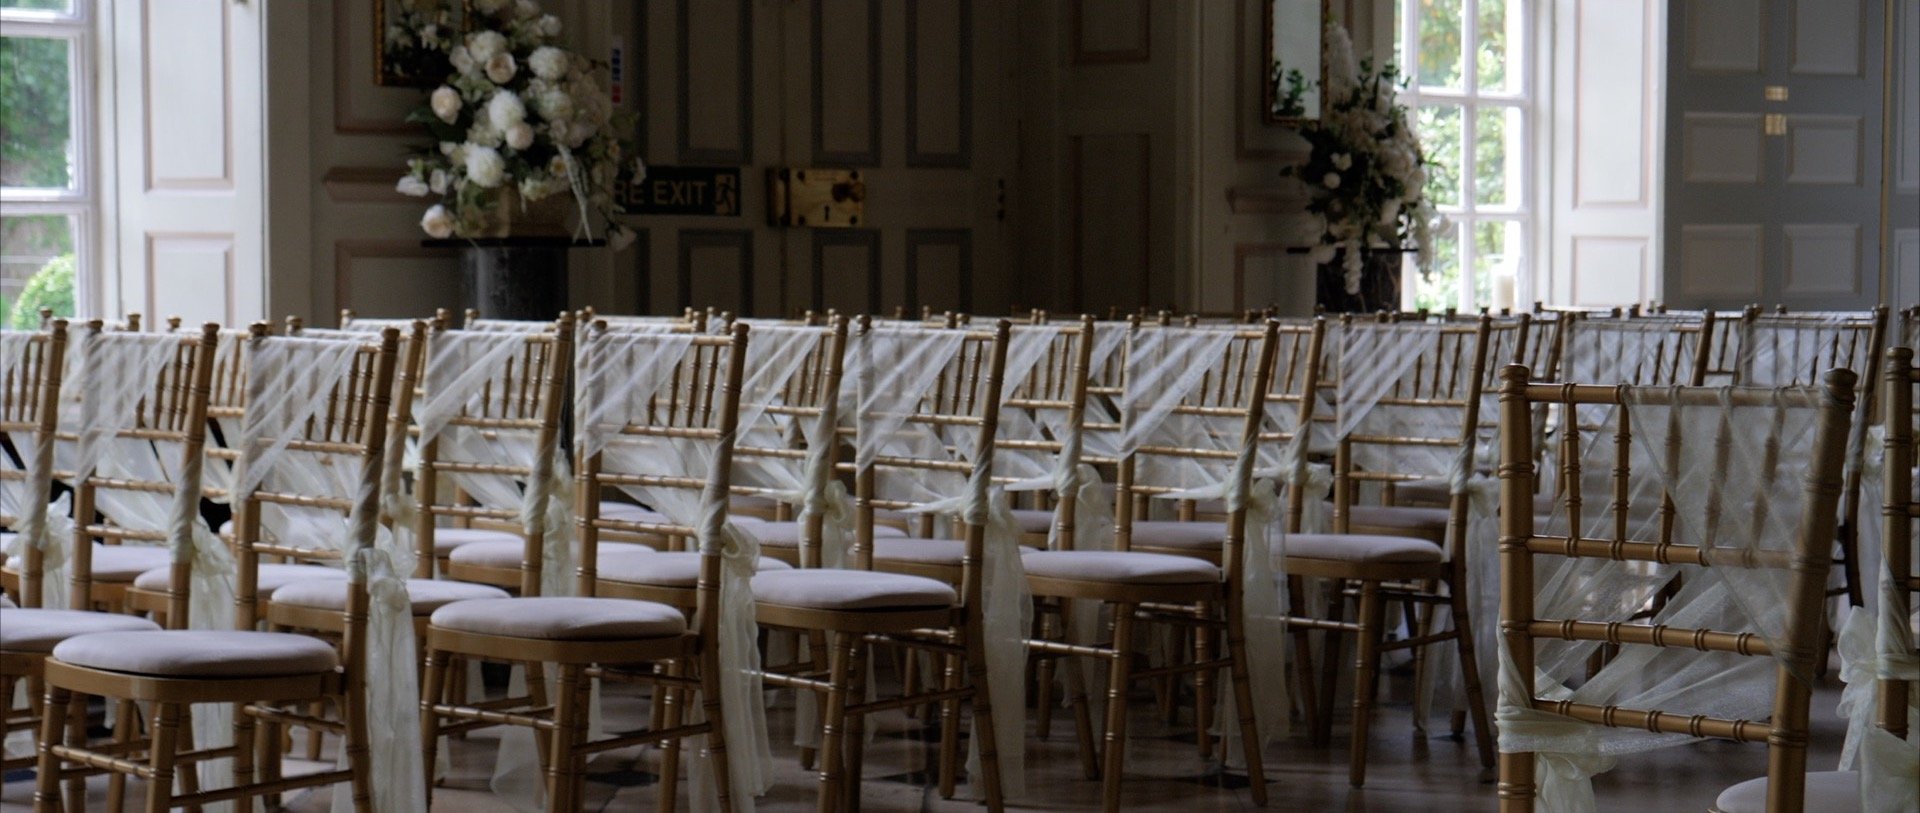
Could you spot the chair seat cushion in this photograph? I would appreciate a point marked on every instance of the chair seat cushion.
(1033, 520)
(826, 589)
(272, 577)
(787, 534)
(448, 540)
(200, 653)
(920, 551)
(671, 569)
(562, 619)
(1122, 567)
(628, 512)
(41, 630)
(1422, 519)
(505, 554)
(1827, 792)
(425, 595)
(117, 563)
(1363, 548)
(1435, 491)
(1177, 535)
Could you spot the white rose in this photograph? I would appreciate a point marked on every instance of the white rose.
(505, 110)
(558, 130)
(520, 136)
(462, 60)
(446, 103)
(485, 166)
(485, 45)
(437, 223)
(437, 182)
(548, 62)
(554, 106)
(619, 237)
(557, 166)
(639, 167)
(482, 134)
(526, 9)
(548, 25)
(501, 68)
(488, 6)
(1332, 180)
(1342, 161)
(411, 185)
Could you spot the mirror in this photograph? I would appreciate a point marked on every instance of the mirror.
(1295, 69)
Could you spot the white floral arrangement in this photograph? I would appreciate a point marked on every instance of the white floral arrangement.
(1365, 170)
(516, 118)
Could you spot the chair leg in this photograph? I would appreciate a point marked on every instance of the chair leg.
(988, 744)
(562, 762)
(537, 698)
(816, 643)
(949, 728)
(357, 744)
(672, 702)
(433, 687)
(1331, 644)
(1303, 690)
(166, 738)
(856, 740)
(76, 793)
(1366, 667)
(243, 768)
(1114, 751)
(1043, 670)
(1203, 684)
(124, 732)
(1470, 675)
(1076, 666)
(832, 723)
(1243, 703)
(53, 725)
(722, 766)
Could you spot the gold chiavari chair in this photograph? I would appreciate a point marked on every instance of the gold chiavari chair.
(1640, 542)
(127, 324)
(29, 407)
(1779, 349)
(180, 667)
(861, 607)
(587, 637)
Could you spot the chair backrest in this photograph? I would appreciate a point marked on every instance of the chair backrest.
(141, 437)
(312, 458)
(794, 439)
(926, 410)
(1640, 352)
(488, 417)
(659, 414)
(1042, 421)
(1900, 511)
(35, 364)
(1732, 564)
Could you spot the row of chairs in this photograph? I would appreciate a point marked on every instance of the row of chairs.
(1197, 576)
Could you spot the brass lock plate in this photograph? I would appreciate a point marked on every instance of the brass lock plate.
(821, 198)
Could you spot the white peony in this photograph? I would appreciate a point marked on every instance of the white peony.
(485, 45)
(501, 68)
(411, 185)
(548, 62)
(1332, 180)
(462, 60)
(526, 9)
(437, 223)
(520, 136)
(619, 237)
(437, 182)
(505, 110)
(1342, 161)
(548, 25)
(488, 6)
(446, 103)
(483, 134)
(485, 166)
(554, 106)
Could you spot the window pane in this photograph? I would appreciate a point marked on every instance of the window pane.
(1441, 290)
(1496, 156)
(1439, 42)
(1439, 128)
(36, 131)
(36, 267)
(1493, 48)
(62, 6)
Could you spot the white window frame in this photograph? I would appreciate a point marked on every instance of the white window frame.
(1467, 213)
(81, 203)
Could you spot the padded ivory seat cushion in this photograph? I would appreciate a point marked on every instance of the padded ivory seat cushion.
(448, 540)
(1160, 533)
(562, 619)
(1033, 520)
(787, 534)
(117, 563)
(7, 602)
(1827, 792)
(41, 630)
(920, 551)
(505, 554)
(1422, 519)
(828, 589)
(272, 577)
(1435, 492)
(671, 569)
(425, 595)
(1363, 548)
(200, 653)
(1122, 567)
(628, 512)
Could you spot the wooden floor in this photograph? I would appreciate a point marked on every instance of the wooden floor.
(1433, 774)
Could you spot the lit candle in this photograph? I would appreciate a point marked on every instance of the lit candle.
(1503, 292)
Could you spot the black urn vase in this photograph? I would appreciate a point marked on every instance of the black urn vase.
(521, 278)
(1380, 272)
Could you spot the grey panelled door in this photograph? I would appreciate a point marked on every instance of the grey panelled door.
(910, 94)
(1774, 161)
